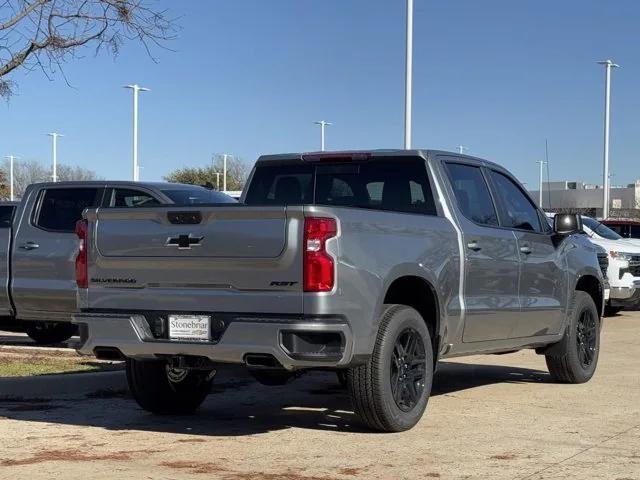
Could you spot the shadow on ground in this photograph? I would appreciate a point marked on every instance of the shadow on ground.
(239, 406)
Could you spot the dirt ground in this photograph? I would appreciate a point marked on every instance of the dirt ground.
(490, 417)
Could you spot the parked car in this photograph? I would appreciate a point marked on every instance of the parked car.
(625, 227)
(624, 265)
(374, 263)
(37, 263)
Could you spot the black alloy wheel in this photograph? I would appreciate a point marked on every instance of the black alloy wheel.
(408, 369)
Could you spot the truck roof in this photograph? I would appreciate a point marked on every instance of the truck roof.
(376, 153)
(128, 183)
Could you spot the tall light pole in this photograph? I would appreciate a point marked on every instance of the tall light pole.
(136, 90)
(322, 124)
(11, 159)
(608, 64)
(408, 77)
(461, 149)
(541, 162)
(224, 172)
(54, 153)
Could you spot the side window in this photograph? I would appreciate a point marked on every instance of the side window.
(472, 193)
(634, 231)
(6, 215)
(129, 198)
(517, 211)
(61, 208)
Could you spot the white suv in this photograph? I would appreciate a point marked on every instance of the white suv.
(624, 264)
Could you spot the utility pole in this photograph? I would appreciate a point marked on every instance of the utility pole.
(461, 149)
(224, 172)
(542, 163)
(11, 159)
(136, 90)
(54, 147)
(408, 77)
(322, 124)
(607, 117)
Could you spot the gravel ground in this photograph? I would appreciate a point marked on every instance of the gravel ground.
(489, 417)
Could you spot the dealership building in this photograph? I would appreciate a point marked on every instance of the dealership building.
(587, 198)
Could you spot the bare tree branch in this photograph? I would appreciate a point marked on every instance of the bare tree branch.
(45, 34)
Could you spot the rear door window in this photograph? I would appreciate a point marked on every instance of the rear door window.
(472, 193)
(61, 208)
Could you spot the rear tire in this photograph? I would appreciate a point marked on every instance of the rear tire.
(163, 391)
(47, 333)
(574, 359)
(390, 392)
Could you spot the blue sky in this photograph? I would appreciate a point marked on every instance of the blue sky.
(250, 77)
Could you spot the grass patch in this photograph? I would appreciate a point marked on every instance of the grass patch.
(26, 365)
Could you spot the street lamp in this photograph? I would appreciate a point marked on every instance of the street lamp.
(408, 76)
(607, 117)
(541, 162)
(54, 147)
(322, 124)
(461, 149)
(136, 90)
(11, 159)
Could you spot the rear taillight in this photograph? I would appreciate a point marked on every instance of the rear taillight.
(82, 277)
(318, 268)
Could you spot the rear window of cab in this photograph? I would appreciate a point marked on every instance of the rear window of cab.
(394, 184)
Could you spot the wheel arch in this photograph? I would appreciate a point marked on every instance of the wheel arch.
(590, 283)
(418, 292)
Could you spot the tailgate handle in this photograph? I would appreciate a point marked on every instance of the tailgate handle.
(184, 218)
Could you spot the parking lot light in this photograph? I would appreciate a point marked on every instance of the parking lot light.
(136, 90)
(608, 64)
(54, 146)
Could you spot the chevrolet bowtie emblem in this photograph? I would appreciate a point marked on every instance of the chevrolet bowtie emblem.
(183, 242)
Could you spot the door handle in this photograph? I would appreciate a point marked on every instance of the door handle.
(29, 246)
(473, 245)
(526, 249)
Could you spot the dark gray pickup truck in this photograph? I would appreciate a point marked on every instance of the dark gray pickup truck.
(38, 246)
(376, 264)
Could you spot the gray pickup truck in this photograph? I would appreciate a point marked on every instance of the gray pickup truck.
(38, 246)
(376, 264)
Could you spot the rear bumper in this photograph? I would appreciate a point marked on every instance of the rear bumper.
(132, 336)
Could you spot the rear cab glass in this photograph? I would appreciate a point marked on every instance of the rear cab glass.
(395, 184)
(196, 196)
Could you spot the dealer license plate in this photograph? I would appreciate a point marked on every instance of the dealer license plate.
(190, 327)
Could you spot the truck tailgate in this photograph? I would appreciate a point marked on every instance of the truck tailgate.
(213, 258)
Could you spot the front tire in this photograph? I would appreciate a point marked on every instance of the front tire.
(164, 391)
(575, 357)
(47, 333)
(390, 392)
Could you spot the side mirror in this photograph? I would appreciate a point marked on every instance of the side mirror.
(567, 223)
